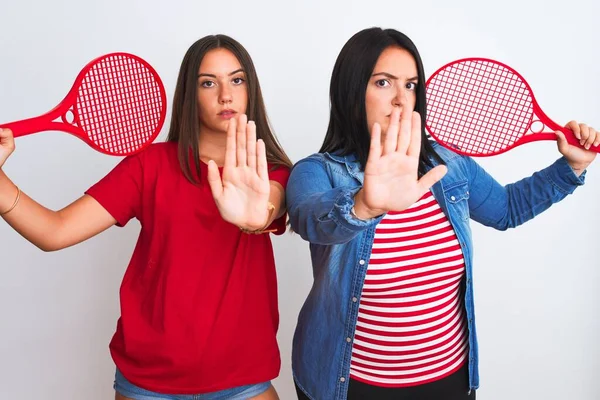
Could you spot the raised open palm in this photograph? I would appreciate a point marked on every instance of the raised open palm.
(391, 174)
(242, 191)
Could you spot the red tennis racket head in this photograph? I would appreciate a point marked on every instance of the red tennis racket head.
(478, 106)
(119, 103)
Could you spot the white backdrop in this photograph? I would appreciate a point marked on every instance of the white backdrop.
(535, 287)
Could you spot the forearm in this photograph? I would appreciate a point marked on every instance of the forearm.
(277, 198)
(31, 220)
(504, 207)
(52, 230)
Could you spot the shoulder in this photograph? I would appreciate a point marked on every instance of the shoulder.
(159, 150)
(279, 173)
(157, 154)
(446, 154)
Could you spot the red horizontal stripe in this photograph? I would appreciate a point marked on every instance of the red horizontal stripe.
(413, 247)
(423, 235)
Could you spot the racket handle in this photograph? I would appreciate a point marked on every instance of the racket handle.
(570, 136)
(27, 126)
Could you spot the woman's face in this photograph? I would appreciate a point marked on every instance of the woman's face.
(393, 84)
(222, 91)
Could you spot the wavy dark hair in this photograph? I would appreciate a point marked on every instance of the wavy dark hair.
(348, 132)
(185, 124)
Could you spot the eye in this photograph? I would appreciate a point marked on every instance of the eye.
(207, 84)
(382, 83)
(238, 81)
(411, 86)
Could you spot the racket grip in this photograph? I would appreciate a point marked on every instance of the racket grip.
(26, 126)
(572, 139)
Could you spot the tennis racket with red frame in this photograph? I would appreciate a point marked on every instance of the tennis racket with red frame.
(117, 105)
(481, 107)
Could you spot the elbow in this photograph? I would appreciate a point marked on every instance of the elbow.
(48, 247)
(321, 234)
(51, 243)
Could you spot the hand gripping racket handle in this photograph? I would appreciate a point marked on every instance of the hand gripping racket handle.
(569, 135)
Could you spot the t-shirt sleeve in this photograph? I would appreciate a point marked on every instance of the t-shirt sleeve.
(280, 175)
(120, 192)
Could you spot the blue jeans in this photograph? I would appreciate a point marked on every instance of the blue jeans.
(128, 389)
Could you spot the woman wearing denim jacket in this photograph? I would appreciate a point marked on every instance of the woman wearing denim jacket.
(386, 211)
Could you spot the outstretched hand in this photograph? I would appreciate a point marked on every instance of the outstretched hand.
(242, 191)
(391, 173)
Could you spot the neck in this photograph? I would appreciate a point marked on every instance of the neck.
(212, 146)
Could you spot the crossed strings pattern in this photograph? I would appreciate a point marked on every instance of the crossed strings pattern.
(119, 104)
(479, 107)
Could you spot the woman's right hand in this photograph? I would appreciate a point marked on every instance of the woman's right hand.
(391, 175)
(7, 145)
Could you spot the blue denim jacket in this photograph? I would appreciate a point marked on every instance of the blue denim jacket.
(320, 195)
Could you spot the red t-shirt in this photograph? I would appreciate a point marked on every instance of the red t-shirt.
(199, 298)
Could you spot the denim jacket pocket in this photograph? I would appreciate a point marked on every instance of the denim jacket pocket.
(457, 198)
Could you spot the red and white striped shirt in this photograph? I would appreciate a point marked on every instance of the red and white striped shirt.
(411, 326)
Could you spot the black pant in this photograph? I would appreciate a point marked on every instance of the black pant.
(453, 387)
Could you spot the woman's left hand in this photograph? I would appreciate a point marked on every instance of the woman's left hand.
(579, 158)
(242, 192)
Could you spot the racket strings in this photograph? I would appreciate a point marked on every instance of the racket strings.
(119, 104)
(478, 106)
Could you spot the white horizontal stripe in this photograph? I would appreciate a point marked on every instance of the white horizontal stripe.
(416, 252)
(432, 228)
(386, 245)
(410, 289)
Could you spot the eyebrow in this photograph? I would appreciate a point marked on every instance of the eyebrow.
(388, 75)
(214, 76)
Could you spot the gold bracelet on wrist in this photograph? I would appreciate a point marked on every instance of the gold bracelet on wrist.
(271, 209)
(15, 203)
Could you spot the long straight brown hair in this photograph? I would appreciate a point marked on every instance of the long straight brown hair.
(185, 124)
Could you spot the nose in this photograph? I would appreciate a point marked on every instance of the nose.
(401, 97)
(225, 95)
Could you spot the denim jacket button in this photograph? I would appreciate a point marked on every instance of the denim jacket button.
(452, 198)
(342, 379)
(362, 262)
(354, 299)
(348, 340)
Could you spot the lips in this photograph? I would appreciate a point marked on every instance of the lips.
(227, 114)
